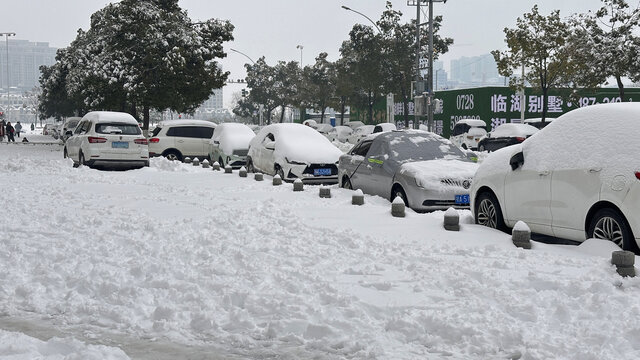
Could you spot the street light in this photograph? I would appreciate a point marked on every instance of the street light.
(300, 47)
(357, 12)
(6, 35)
(245, 55)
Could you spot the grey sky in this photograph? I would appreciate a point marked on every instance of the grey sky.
(274, 28)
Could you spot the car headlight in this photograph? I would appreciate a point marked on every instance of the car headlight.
(294, 162)
(420, 183)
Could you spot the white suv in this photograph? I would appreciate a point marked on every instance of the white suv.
(467, 133)
(177, 139)
(108, 139)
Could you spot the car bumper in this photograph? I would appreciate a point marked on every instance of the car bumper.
(117, 163)
(298, 172)
(429, 200)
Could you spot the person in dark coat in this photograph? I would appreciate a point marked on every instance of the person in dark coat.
(2, 127)
(10, 130)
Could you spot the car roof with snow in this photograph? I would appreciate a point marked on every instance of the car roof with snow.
(511, 130)
(186, 123)
(473, 122)
(109, 116)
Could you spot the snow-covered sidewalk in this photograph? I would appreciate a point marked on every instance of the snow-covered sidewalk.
(184, 255)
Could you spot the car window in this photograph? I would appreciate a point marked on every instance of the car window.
(201, 132)
(363, 148)
(118, 128)
(80, 127)
(156, 131)
(377, 129)
(460, 129)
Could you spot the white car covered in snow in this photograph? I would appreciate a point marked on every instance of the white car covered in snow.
(294, 151)
(177, 139)
(360, 133)
(339, 133)
(467, 133)
(582, 186)
(230, 144)
(108, 139)
(384, 127)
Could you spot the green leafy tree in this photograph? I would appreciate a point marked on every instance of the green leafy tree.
(145, 54)
(604, 45)
(318, 84)
(540, 42)
(261, 80)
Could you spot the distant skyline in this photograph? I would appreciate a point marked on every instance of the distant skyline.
(274, 28)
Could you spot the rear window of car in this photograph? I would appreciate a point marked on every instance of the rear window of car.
(118, 128)
(200, 132)
(156, 131)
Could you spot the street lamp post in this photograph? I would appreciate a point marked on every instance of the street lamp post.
(247, 56)
(6, 35)
(300, 47)
(359, 13)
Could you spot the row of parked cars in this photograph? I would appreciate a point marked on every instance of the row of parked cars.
(574, 187)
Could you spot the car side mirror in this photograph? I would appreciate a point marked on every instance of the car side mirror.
(271, 145)
(517, 160)
(216, 142)
(69, 133)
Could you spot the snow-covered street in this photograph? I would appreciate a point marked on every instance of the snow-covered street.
(200, 264)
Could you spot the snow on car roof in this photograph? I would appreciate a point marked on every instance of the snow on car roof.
(110, 116)
(601, 136)
(300, 143)
(233, 136)
(513, 130)
(473, 122)
(186, 122)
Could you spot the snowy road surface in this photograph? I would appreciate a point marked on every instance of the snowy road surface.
(201, 263)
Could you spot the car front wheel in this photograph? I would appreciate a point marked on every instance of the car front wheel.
(608, 224)
(398, 191)
(250, 168)
(173, 155)
(488, 211)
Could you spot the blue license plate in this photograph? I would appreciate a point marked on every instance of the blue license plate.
(120, 145)
(321, 172)
(462, 199)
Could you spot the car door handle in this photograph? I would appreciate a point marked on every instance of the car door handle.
(544, 173)
(180, 141)
(595, 170)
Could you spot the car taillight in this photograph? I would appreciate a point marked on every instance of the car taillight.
(154, 140)
(520, 139)
(638, 175)
(141, 141)
(97, 140)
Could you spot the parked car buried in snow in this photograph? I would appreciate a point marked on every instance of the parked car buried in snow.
(360, 133)
(294, 151)
(586, 185)
(424, 169)
(506, 135)
(230, 144)
(467, 133)
(108, 139)
(339, 133)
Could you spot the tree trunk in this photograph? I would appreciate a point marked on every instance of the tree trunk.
(145, 110)
(282, 108)
(620, 87)
(322, 114)
(405, 107)
(269, 116)
(343, 100)
(370, 113)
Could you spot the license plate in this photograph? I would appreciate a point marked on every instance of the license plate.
(321, 172)
(462, 199)
(120, 145)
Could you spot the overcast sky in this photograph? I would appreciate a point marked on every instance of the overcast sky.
(273, 28)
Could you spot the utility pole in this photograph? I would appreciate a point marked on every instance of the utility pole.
(7, 34)
(419, 86)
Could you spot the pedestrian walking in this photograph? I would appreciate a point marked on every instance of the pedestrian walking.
(18, 128)
(9, 130)
(2, 127)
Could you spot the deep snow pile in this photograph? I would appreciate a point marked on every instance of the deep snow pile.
(186, 255)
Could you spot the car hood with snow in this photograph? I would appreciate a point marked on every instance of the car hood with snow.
(440, 173)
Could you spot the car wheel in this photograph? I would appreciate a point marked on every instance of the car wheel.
(488, 212)
(172, 155)
(346, 183)
(221, 162)
(279, 171)
(81, 159)
(608, 224)
(250, 168)
(398, 191)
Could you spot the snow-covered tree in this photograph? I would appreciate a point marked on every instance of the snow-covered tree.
(604, 45)
(318, 84)
(146, 54)
(541, 43)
